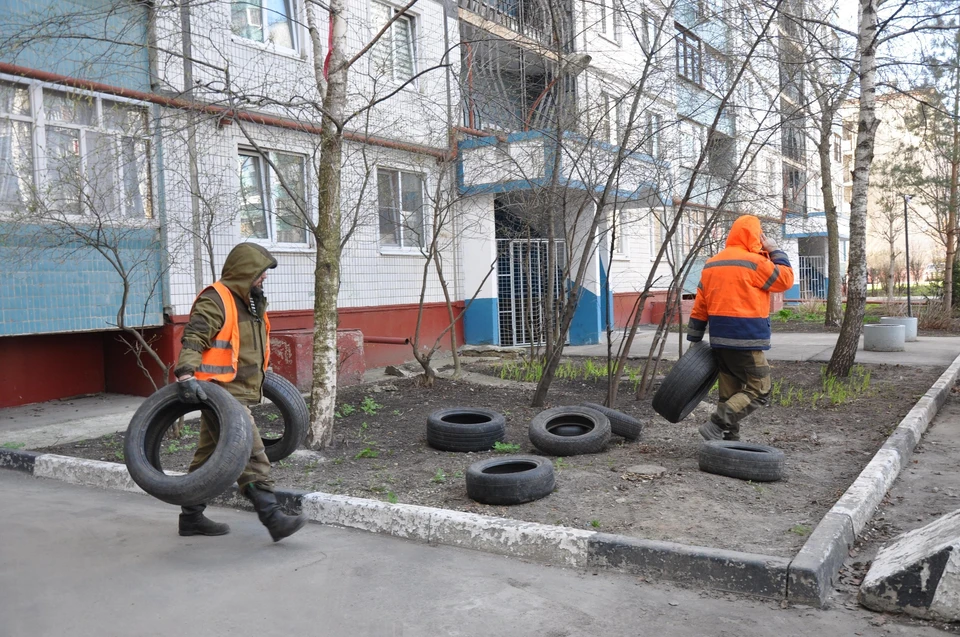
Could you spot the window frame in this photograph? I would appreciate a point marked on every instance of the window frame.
(414, 22)
(652, 143)
(615, 226)
(39, 125)
(268, 44)
(611, 21)
(687, 42)
(402, 249)
(267, 196)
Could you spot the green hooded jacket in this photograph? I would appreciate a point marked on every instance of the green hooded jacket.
(244, 265)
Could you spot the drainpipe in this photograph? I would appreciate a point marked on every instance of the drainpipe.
(187, 46)
(159, 183)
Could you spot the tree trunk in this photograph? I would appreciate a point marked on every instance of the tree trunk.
(834, 302)
(845, 351)
(323, 393)
(954, 199)
(891, 261)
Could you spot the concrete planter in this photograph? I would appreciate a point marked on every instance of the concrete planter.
(909, 323)
(883, 338)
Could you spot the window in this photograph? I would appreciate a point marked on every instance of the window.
(648, 32)
(689, 64)
(272, 198)
(611, 118)
(394, 54)
(265, 21)
(616, 225)
(655, 234)
(610, 19)
(692, 142)
(835, 140)
(93, 155)
(400, 199)
(651, 140)
(774, 178)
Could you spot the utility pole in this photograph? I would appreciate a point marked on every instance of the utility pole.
(906, 241)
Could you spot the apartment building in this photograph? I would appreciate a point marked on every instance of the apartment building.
(194, 126)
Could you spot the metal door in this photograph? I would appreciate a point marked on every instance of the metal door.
(522, 286)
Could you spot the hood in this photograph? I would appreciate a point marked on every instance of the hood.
(244, 265)
(745, 233)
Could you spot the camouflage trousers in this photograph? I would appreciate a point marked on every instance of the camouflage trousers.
(257, 470)
(744, 385)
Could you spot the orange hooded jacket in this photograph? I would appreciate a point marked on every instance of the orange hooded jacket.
(733, 297)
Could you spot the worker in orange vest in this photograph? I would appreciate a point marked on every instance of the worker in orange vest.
(733, 299)
(227, 341)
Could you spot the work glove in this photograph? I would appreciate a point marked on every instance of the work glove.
(190, 391)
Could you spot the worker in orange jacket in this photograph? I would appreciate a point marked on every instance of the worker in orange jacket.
(733, 299)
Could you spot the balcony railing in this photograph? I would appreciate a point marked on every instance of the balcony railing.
(523, 17)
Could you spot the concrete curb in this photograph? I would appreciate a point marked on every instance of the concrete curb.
(811, 572)
(807, 578)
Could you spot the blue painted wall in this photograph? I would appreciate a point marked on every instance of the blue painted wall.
(481, 324)
(55, 284)
(118, 55)
(586, 326)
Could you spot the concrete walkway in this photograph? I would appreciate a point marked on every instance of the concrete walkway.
(933, 351)
(88, 562)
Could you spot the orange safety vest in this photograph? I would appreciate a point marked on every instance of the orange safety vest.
(219, 361)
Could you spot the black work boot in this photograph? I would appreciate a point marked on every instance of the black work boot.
(194, 522)
(271, 516)
(711, 431)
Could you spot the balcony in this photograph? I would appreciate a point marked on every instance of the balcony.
(528, 161)
(528, 18)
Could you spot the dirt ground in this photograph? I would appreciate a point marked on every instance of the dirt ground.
(380, 451)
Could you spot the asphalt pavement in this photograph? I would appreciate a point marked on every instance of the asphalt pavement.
(83, 562)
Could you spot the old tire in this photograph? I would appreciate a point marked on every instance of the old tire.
(510, 479)
(743, 460)
(141, 448)
(293, 409)
(570, 431)
(465, 429)
(687, 384)
(620, 423)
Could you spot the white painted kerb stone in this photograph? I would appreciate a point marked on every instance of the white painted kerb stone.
(106, 475)
(540, 542)
(918, 573)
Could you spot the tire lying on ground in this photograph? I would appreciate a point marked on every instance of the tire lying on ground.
(141, 448)
(620, 423)
(510, 479)
(570, 431)
(687, 384)
(465, 429)
(743, 460)
(293, 409)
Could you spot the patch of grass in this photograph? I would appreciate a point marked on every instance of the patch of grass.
(595, 524)
(439, 477)
(458, 474)
(801, 529)
(369, 406)
(367, 452)
(283, 463)
(524, 371)
(560, 464)
(344, 411)
(505, 447)
(338, 460)
(392, 497)
(395, 412)
(13, 445)
(273, 417)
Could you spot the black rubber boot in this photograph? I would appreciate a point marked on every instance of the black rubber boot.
(272, 516)
(194, 522)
